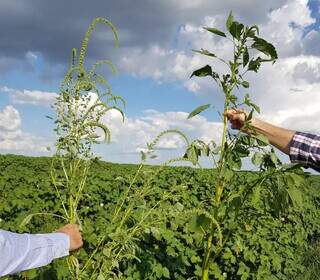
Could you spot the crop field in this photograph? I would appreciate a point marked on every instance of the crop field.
(167, 222)
(264, 245)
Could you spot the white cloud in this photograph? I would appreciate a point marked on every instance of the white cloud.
(133, 135)
(284, 28)
(33, 97)
(311, 43)
(288, 92)
(13, 139)
(9, 119)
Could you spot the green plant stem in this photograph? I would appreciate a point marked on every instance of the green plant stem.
(219, 189)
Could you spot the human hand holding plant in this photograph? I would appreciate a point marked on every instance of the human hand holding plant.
(73, 231)
(236, 117)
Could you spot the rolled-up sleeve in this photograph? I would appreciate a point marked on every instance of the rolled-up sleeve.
(19, 252)
(305, 149)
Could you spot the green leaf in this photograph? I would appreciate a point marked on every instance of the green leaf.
(245, 57)
(26, 220)
(101, 277)
(202, 72)
(254, 64)
(229, 21)
(256, 197)
(257, 159)
(205, 52)
(255, 107)
(245, 84)
(235, 201)
(295, 196)
(199, 223)
(198, 110)
(143, 155)
(215, 31)
(236, 29)
(241, 151)
(252, 31)
(261, 139)
(274, 158)
(265, 47)
(165, 272)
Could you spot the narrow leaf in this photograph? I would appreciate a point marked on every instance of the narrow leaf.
(215, 31)
(205, 52)
(245, 84)
(198, 110)
(229, 21)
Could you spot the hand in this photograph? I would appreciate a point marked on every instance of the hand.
(236, 117)
(74, 234)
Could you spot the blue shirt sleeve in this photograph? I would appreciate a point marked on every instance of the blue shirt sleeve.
(19, 252)
(305, 149)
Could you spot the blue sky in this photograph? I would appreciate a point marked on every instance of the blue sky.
(154, 64)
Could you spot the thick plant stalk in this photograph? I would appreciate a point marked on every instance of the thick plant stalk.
(218, 194)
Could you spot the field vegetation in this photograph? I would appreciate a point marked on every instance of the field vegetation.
(264, 247)
(162, 222)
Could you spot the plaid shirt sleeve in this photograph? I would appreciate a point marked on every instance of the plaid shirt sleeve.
(305, 149)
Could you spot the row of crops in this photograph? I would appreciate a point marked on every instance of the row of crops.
(263, 244)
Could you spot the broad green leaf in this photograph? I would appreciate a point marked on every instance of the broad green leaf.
(265, 47)
(253, 31)
(235, 201)
(261, 139)
(257, 159)
(198, 110)
(297, 179)
(202, 72)
(199, 223)
(165, 272)
(241, 151)
(254, 64)
(229, 21)
(215, 31)
(236, 29)
(101, 277)
(295, 196)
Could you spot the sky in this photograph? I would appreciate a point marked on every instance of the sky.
(154, 62)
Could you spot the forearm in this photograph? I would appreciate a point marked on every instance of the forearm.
(19, 252)
(278, 137)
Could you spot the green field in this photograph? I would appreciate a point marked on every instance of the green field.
(269, 246)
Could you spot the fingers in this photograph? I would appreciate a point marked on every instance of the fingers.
(73, 231)
(236, 117)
